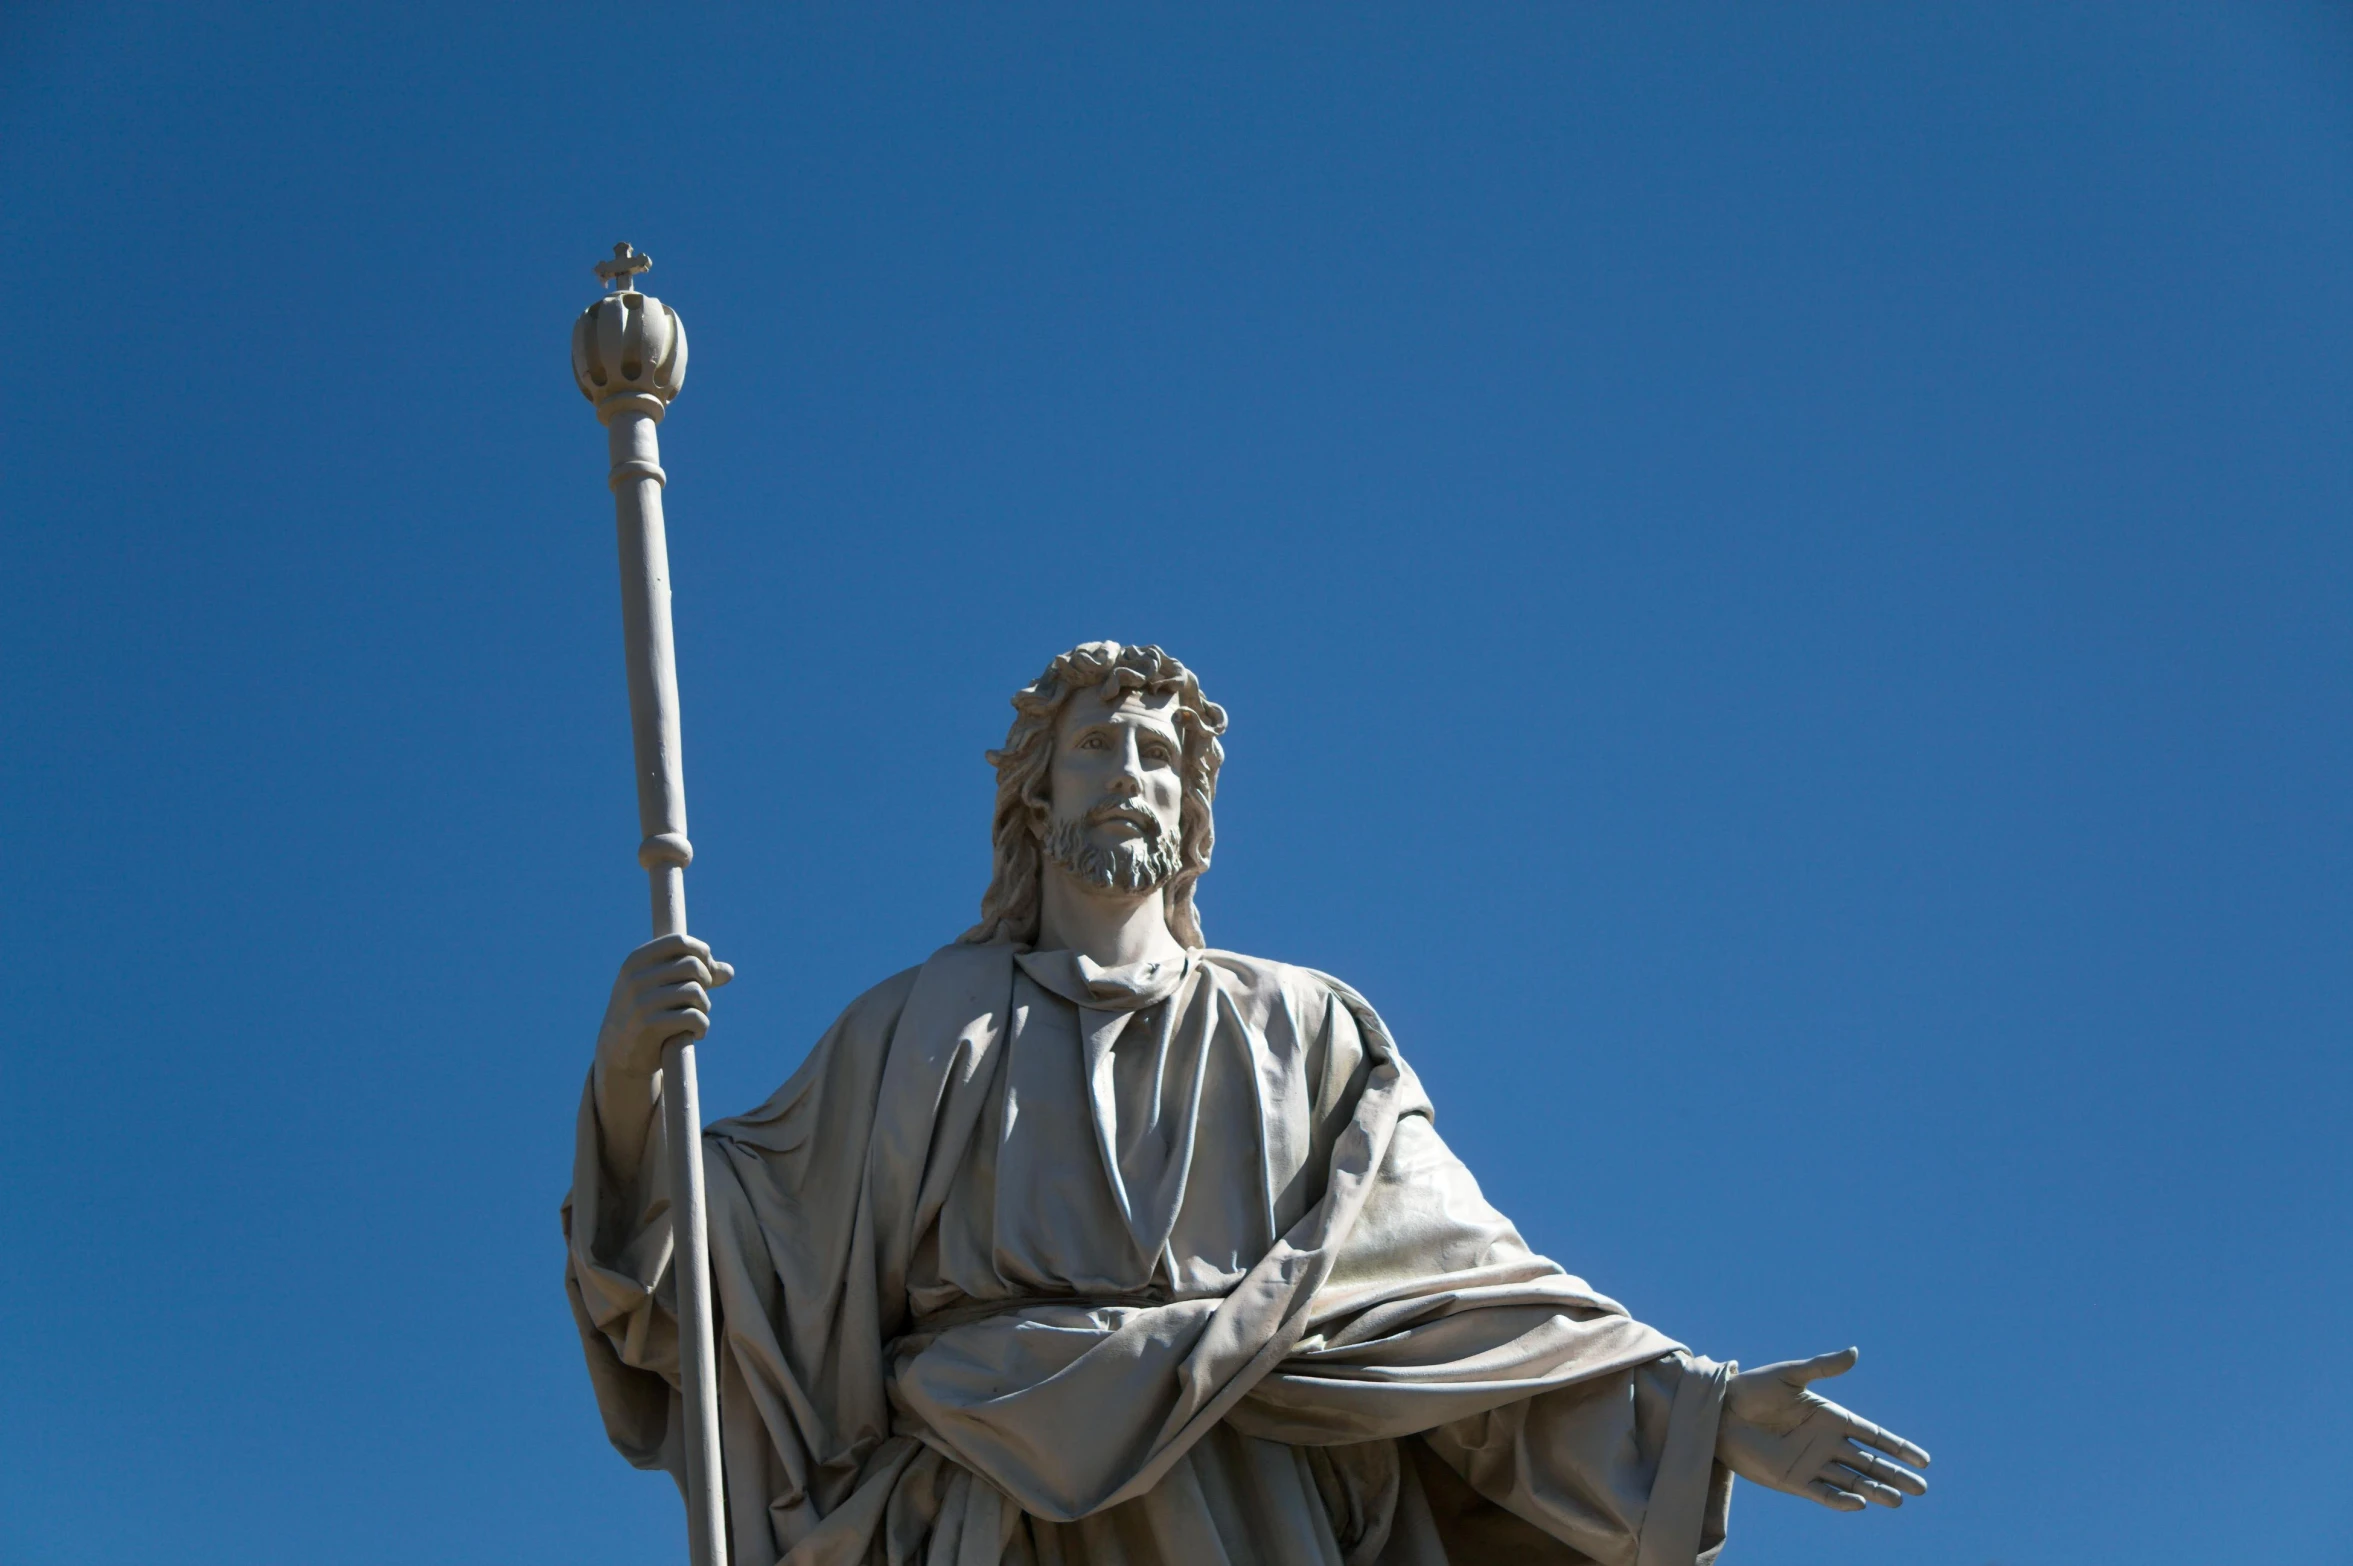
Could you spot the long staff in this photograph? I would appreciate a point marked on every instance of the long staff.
(629, 356)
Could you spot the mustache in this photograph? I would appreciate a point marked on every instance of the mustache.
(1122, 810)
(1136, 866)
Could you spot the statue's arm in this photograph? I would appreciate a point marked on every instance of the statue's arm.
(616, 1215)
(1772, 1430)
(663, 990)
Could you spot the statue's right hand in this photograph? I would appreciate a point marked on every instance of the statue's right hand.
(664, 990)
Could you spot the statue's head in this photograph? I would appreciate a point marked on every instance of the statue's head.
(1109, 771)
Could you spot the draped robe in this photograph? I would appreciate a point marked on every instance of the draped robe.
(1039, 1263)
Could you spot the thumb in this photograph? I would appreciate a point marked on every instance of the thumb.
(1822, 1366)
(721, 972)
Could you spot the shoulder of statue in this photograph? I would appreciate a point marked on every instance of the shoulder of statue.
(867, 1022)
(852, 1049)
(884, 1001)
(958, 966)
(1310, 990)
(1252, 971)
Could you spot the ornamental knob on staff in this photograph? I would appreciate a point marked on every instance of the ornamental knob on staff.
(629, 358)
(627, 343)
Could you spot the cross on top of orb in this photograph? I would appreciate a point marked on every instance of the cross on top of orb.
(626, 264)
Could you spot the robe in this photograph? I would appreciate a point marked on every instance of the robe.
(1037, 1263)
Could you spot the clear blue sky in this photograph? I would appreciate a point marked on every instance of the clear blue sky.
(1782, 577)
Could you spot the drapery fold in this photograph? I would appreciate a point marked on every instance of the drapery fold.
(1396, 1306)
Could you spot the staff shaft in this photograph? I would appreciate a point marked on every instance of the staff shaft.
(637, 480)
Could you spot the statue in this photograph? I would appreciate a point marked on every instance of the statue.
(1085, 1242)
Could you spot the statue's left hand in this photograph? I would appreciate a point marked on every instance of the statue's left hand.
(1780, 1433)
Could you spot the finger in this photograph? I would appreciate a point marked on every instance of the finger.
(1860, 1484)
(721, 972)
(1822, 1366)
(1833, 1497)
(1872, 1465)
(684, 970)
(1874, 1492)
(666, 948)
(1857, 1428)
(685, 1022)
(672, 997)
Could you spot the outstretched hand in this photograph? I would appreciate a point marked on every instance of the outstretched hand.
(1780, 1433)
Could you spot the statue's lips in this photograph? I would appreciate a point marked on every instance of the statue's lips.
(1142, 821)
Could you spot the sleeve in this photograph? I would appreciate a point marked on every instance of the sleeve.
(1622, 1468)
(780, 1265)
(623, 1290)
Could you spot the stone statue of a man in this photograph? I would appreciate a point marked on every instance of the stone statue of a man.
(1084, 1242)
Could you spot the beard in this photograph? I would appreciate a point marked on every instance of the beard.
(1137, 865)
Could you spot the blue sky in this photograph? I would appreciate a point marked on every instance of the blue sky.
(1781, 576)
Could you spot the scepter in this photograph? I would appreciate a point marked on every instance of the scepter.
(629, 356)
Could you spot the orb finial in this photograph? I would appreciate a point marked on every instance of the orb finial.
(627, 345)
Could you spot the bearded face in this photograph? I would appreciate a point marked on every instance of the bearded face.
(1116, 793)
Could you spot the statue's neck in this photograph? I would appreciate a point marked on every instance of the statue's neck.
(1113, 929)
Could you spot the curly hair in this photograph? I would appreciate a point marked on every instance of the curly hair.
(1009, 908)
